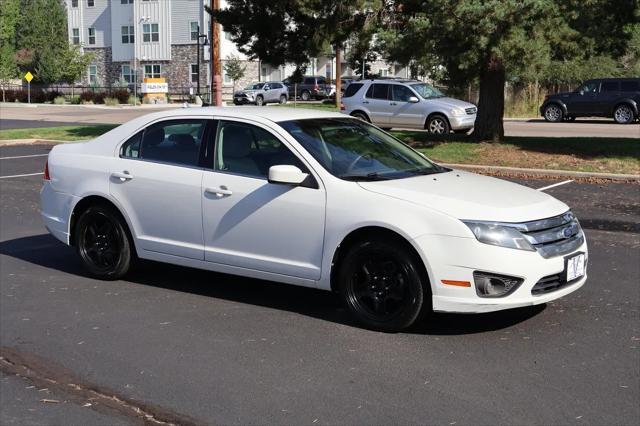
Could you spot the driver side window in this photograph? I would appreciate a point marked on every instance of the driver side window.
(249, 150)
(591, 87)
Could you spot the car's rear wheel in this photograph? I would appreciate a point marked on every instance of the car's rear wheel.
(381, 285)
(283, 99)
(623, 114)
(361, 115)
(305, 95)
(102, 243)
(259, 100)
(553, 113)
(438, 125)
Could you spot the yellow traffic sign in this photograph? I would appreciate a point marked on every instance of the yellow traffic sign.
(28, 76)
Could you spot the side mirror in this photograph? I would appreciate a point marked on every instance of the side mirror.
(266, 87)
(286, 174)
(581, 92)
(413, 99)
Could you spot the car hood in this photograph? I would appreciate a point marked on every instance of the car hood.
(451, 102)
(465, 195)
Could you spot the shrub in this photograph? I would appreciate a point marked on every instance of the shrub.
(87, 96)
(52, 95)
(132, 100)
(59, 100)
(98, 98)
(111, 101)
(75, 100)
(122, 95)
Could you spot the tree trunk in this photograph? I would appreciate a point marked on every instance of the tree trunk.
(488, 126)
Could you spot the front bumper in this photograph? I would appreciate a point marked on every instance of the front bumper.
(472, 255)
(462, 122)
(242, 100)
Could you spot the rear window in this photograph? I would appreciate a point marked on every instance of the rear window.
(321, 80)
(609, 86)
(630, 86)
(352, 89)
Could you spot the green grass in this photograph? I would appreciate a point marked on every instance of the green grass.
(604, 155)
(62, 133)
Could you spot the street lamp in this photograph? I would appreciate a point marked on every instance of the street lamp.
(136, 38)
(204, 43)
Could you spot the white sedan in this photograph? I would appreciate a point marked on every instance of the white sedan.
(314, 199)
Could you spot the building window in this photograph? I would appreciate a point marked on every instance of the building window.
(74, 3)
(152, 71)
(150, 33)
(126, 1)
(127, 74)
(75, 36)
(384, 72)
(194, 73)
(127, 34)
(90, 3)
(93, 74)
(194, 31)
(225, 78)
(92, 36)
(227, 36)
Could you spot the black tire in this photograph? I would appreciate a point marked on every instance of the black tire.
(438, 125)
(361, 115)
(305, 95)
(283, 99)
(623, 114)
(570, 118)
(553, 113)
(386, 129)
(259, 100)
(103, 244)
(382, 286)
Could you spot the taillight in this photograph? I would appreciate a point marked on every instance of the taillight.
(46, 171)
(316, 87)
(342, 108)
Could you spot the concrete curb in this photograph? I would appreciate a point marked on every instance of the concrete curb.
(544, 173)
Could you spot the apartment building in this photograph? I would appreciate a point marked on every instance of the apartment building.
(158, 38)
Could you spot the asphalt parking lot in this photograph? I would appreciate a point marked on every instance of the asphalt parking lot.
(188, 346)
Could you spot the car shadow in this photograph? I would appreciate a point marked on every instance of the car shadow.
(45, 251)
(577, 121)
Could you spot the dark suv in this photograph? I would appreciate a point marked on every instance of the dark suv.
(605, 97)
(315, 87)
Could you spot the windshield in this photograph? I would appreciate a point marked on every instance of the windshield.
(254, 86)
(427, 91)
(354, 150)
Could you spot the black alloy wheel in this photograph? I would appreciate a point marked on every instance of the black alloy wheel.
(102, 243)
(382, 286)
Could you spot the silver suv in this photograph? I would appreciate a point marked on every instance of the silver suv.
(407, 103)
(262, 93)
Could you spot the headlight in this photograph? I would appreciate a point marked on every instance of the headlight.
(457, 112)
(499, 235)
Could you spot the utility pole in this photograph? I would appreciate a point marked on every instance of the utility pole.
(338, 74)
(216, 79)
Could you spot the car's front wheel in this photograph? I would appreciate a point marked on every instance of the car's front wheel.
(259, 100)
(623, 114)
(102, 243)
(553, 113)
(438, 125)
(381, 285)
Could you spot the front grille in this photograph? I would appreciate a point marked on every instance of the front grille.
(551, 283)
(554, 236)
(471, 110)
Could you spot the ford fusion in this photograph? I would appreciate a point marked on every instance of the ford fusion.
(314, 199)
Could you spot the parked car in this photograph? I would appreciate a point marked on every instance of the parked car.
(605, 97)
(311, 87)
(262, 93)
(407, 103)
(344, 82)
(310, 198)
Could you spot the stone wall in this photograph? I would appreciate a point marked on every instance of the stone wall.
(107, 71)
(178, 70)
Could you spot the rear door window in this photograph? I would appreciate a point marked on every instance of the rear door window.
(173, 142)
(309, 80)
(379, 91)
(610, 86)
(630, 86)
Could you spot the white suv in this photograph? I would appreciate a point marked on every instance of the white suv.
(408, 104)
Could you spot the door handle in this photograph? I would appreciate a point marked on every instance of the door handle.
(365, 102)
(220, 192)
(123, 176)
(392, 103)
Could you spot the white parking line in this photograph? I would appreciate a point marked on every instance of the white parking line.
(555, 184)
(23, 156)
(17, 176)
